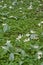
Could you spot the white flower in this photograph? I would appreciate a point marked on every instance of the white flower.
(4, 24)
(19, 37)
(31, 31)
(10, 7)
(27, 34)
(30, 7)
(26, 40)
(20, 8)
(8, 43)
(39, 24)
(20, 11)
(39, 57)
(39, 54)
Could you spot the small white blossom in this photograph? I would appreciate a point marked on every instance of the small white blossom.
(31, 31)
(8, 43)
(20, 8)
(4, 24)
(20, 11)
(39, 24)
(39, 54)
(19, 37)
(30, 7)
(27, 34)
(10, 7)
(26, 40)
(39, 57)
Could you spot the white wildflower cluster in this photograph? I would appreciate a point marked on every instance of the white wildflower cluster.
(26, 40)
(29, 36)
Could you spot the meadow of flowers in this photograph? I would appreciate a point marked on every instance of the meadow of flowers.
(21, 32)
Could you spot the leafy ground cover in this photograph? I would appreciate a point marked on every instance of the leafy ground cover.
(21, 32)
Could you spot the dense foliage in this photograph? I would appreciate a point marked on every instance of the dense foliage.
(21, 32)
